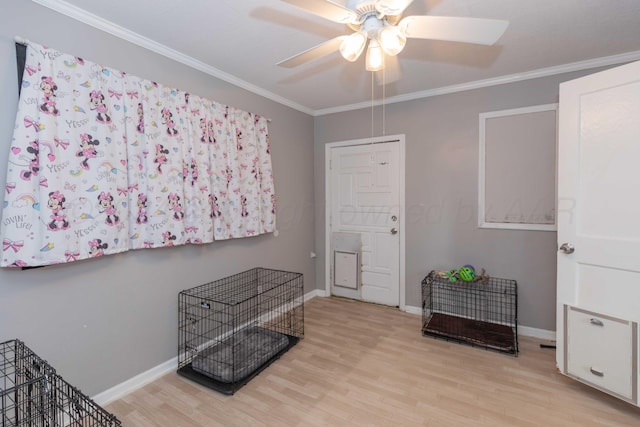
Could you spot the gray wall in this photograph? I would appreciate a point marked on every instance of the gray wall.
(101, 322)
(442, 192)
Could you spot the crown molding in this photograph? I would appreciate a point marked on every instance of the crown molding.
(510, 78)
(102, 24)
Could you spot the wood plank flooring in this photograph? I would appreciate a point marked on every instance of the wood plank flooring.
(366, 365)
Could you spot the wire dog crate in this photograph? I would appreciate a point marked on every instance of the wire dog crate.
(32, 394)
(479, 313)
(233, 328)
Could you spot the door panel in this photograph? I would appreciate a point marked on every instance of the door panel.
(365, 188)
(609, 122)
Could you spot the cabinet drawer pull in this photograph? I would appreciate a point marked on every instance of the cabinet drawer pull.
(596, 372)
(596, 322)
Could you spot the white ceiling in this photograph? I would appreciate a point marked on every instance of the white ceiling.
(242, 40)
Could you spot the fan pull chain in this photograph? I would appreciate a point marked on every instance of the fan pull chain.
(384, 111)
(372, 104)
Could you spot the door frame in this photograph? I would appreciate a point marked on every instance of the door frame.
(398, 139)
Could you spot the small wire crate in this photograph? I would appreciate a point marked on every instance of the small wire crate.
(32, 394)
(233, 328)
(481, 313)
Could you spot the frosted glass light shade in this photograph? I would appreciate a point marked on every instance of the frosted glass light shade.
(392, 39)
(375, 56)
(352, 47)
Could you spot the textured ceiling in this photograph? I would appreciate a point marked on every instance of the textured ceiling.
(244, 39)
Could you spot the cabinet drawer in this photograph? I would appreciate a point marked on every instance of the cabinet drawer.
(601, 351)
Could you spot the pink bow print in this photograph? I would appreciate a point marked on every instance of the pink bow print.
(10, 244)
(10, 187)
(61, 143)
(29, 122)
(132, 94)
(113, 93)
(71, 256)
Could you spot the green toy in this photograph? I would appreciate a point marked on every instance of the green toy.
(466, 274)
(451, 275)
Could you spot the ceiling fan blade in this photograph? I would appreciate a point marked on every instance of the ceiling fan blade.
(326, 9)
(315, 52)
(458, 29)
(391, 71)
(392, 7)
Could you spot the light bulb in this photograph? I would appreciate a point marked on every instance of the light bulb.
(375, 56)
(352, 46)
(392, 39)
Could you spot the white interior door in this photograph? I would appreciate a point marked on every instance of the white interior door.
(365, 199)
(598, 203)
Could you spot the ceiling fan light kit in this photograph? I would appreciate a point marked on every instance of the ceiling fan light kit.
(392, 7)
(379, 22)
(392, 39)
(352, 47)
(375, 56)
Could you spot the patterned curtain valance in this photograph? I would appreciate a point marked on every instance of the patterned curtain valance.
(103, 162)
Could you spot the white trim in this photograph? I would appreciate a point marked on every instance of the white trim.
(400, 138)
(102, 24)
(525, 331)
(120, 390)
(516, 226)
(315, 293)
(481, 169)
(402, 222)
(413, 310)
(478, 84)
(542, 334)
(516, 111)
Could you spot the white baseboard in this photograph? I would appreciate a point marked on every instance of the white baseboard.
(537, 333)
(120, 390)
(412, 310)
(314, 293)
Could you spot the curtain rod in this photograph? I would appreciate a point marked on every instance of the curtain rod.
(21, 40)
(25, 42)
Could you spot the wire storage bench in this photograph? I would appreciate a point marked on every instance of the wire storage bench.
(481, 313)
(32, 394)
(233, 328)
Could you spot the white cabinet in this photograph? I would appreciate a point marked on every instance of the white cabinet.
(600, 350)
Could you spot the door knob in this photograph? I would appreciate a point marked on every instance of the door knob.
(394, 231)
(567, 248)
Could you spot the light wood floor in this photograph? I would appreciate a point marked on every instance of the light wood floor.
(365, 365)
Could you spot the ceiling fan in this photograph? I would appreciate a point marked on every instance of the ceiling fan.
(380, 23)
